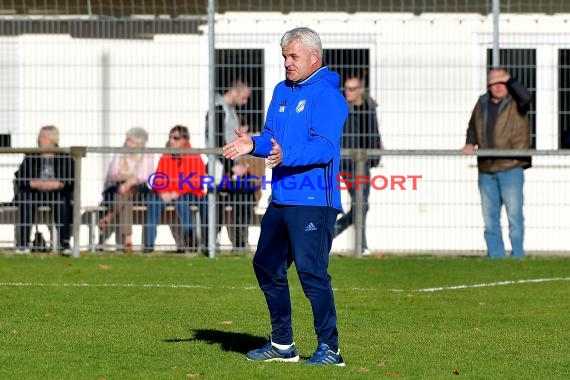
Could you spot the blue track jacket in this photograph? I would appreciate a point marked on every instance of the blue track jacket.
(306, 119)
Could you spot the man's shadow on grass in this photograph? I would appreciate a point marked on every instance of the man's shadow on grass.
(229, 341)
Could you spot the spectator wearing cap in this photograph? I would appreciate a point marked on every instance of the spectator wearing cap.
(499, 121)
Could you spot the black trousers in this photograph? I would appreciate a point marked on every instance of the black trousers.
(28, 203)
(240, 218)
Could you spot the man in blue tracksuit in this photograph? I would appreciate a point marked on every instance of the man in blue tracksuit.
(301, 141)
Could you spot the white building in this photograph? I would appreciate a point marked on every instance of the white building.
(426, 72)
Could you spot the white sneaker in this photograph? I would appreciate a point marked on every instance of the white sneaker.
(366, 252)
(22, 251)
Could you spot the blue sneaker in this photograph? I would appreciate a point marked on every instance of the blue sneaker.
(269, 353)
(325, 356)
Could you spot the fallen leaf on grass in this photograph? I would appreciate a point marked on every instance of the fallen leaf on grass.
(104, 267)
(394, 374)
(227, 322)
(49, 315)
(82, 282)
(382, 363)
(455, 372)
(192, 375)
(363, 370)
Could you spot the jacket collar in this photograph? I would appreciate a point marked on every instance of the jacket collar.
(314, 77)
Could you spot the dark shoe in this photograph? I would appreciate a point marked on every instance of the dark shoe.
(268, 353)
(147, 250)
(39, 243)
(325, 356)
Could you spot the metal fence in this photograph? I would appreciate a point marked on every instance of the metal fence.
(420, 201)
(97, 68)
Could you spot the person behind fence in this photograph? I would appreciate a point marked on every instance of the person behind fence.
(301, 141)
(226, 122)
(176, 182)
(239, 190)
(227, 119)
(126, 182)
(45, 179)
(499, 121)
(361, 131)
(236, 200)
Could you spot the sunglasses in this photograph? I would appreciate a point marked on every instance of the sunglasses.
(175, 138)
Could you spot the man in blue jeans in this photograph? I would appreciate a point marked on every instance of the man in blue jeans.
(301, 141)
(499, 121)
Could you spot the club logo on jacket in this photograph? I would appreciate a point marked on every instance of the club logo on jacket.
(300, 106)
(282, 106)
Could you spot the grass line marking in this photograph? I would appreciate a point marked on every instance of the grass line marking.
(354, 289)
(131, 285)
(113, 285)
(491, 284)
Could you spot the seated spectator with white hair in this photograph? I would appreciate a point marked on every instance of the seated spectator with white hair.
(45, 179)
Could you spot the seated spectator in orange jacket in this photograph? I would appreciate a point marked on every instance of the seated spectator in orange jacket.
(176, 182)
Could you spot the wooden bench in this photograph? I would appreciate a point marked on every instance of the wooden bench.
(9, 216)
(90, 217)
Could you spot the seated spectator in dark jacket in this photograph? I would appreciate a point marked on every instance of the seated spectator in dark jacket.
(45, 179)
(238, 191)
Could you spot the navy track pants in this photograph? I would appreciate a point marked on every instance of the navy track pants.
(300, 234)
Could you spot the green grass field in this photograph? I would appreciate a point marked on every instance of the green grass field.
(180, 317)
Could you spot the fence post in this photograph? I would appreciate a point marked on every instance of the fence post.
(212, 201)
(496, 12)
(77, 152)
(359, 157)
